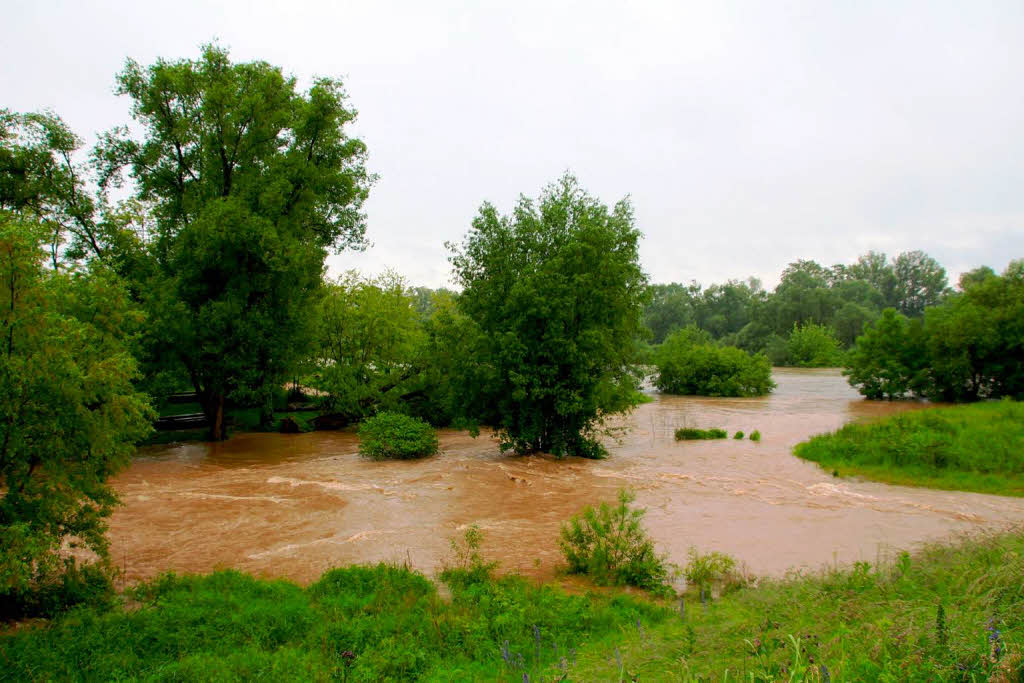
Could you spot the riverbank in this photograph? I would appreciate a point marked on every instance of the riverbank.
(977, 447)
(948, 612)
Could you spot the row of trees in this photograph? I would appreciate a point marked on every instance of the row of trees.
(841, 299)
(208, 274)
(969, 347)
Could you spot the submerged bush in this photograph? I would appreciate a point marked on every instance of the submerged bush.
(689, 363)
(393, 435)
(690, 434)
(610, 546)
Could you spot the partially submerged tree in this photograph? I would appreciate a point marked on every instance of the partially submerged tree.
(371, 343)
(251, 182)
(69, 413)
(556, 290)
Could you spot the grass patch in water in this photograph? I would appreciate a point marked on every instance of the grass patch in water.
(691, 434)
(978, 447)
(868, 622)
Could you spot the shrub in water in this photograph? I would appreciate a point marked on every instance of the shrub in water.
(755, 435)
(690, 363)
(738, 435)
(609, 544)
(393, 435)
(689, 434)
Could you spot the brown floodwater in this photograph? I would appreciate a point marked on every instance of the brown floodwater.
(295, 505)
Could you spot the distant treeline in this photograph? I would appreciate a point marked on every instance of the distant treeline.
(834, 302)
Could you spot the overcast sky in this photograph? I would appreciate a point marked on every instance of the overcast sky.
(747, 134)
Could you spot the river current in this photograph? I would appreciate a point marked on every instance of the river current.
(295, 505)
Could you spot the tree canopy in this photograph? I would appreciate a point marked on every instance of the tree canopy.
(69, 413)
(556, 290)
(249, 182)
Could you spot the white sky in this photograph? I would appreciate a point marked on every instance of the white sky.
(748, 134)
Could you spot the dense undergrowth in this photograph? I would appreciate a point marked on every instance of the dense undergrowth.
(978, 447)
(948, 613)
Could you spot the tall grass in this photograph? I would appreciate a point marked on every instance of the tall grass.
(949, 613)
(978, 447)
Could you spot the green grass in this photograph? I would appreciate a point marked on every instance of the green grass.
(978, 447)
(357, 624)
(868, 623)
(690, 434)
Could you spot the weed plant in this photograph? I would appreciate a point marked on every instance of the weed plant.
(609, 544)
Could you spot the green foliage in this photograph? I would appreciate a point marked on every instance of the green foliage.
(609, 544)
(919, 282)
(69, 416)
(370, 345)
(555, 290)
(871, 622)
(250, 184)
(738, 435)
(813, 346)
(688, 363)
(394, 435)
(969, 347)
(468, 563)
(868, 622)
(705, 570)
(975, 448)
(41, 183)
(888, 358)
(691, 434)
(356, 623)
(755, 435)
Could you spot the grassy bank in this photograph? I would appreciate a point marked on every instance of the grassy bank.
(978, 447)
(387, 623)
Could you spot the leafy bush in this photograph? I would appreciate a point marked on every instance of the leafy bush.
(610, 545)
(705, 570)
(888, 358)
(689, 363)
(813, 346)
(393, 435)
(976, 448)
(755, 435)
(968, 348)
(738, 435)
(76, 584)
(690, 434)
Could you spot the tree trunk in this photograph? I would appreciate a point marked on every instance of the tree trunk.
(217, 430)
(213, 408)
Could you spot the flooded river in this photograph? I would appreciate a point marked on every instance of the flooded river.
(296, 505)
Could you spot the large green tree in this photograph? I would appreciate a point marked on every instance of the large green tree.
(69, 412)
(250, 183)
(556, 290)
(42, 181)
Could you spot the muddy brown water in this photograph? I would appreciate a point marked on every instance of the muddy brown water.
(295, 505)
